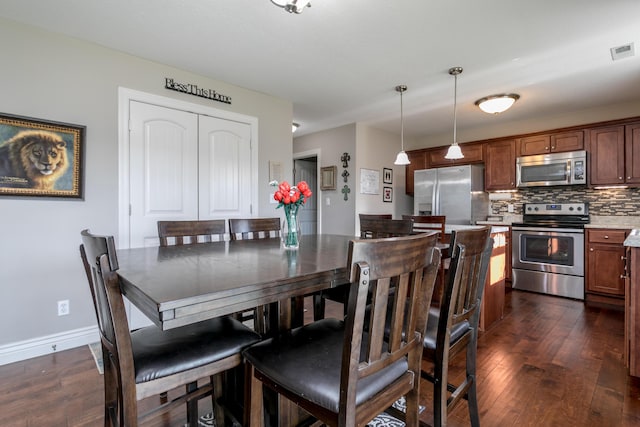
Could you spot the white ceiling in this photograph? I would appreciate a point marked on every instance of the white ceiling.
(339, 61)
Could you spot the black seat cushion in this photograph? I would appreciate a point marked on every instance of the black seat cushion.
(430, 336)
(307, 361)
(159, 353)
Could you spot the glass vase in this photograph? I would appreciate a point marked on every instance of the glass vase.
(291, 231)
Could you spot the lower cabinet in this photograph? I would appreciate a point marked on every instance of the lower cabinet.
(632, 313)
(605, 266)
(492, 309)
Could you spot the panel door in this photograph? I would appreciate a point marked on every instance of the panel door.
(163, 169)
(225, 173)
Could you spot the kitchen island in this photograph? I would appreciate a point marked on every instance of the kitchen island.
(632, 304)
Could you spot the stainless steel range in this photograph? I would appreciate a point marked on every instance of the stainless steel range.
(548, 249)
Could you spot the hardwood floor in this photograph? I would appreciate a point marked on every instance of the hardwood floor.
(550, 362)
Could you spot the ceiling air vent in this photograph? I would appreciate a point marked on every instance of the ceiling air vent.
(623, 51)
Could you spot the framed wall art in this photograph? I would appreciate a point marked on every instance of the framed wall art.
(369, 181)
(40, 158)
(387, 176)
(328, 177)
(387, 194)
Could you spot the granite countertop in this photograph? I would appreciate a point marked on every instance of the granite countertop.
(448, 228)
(624, 222)
(633, 240)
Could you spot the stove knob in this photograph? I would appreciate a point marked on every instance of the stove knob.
(571, 208)
(535, 209)
(579, 208)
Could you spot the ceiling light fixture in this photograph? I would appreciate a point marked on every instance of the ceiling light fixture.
(294, 127)
(402, 158)
(495, 104)
(292, 6)
(454, 151)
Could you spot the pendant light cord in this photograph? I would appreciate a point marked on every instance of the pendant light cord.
(455, 107)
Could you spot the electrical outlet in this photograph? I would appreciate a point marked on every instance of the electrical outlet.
(510, 208)
(63, 307)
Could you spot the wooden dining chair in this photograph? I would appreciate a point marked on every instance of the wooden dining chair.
(343, 372)
(257, 228)
(376, 228)
(191, 232)
(452, 328)
(254, 228)
(150, 361)
(426, 223)
(371, 227)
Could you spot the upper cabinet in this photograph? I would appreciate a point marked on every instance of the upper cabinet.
(418, 159)
(614, 155)
(551, 143)
(500, 165)
(473, 153)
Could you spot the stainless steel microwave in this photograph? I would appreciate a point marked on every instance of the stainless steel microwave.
(552, 169)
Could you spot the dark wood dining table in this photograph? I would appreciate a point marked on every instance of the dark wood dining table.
(179, 285)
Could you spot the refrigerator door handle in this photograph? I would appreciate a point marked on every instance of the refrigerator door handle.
(436, 198)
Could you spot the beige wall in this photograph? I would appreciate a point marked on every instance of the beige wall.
(52, 77)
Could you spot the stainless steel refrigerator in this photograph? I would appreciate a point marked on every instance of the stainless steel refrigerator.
(456, 192)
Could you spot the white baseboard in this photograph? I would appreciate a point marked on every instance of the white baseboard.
(15, 352)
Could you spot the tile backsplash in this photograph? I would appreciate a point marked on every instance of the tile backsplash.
(609, 202)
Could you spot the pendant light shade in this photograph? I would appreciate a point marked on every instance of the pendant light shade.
(495, 104)
(402, 158)
(454, 151)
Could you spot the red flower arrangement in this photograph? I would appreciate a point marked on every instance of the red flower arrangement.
(291, 198)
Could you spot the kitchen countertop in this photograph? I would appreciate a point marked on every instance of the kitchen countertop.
(624, 222)
(633, 240)
(448, 228)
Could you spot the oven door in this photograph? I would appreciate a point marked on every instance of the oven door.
(552, 250)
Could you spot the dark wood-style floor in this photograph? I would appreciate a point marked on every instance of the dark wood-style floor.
(549, 362)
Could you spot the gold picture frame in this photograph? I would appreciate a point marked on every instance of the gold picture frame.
(40, 158)
(328, 177)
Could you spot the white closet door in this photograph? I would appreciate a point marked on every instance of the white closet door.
(225, 173)
(163, 169)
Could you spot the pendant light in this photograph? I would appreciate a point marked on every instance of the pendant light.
(402, 158)
(454, 151)
(292, 6)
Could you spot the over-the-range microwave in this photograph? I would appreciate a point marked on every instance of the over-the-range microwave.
(552, 169)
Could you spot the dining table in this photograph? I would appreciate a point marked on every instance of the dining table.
(179, 285)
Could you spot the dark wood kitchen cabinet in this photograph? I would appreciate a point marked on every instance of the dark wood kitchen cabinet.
(632, 312)
(500, 165)
(605, 265)
(418, 159)
(614, 153)
(551, 143)
(472, 152)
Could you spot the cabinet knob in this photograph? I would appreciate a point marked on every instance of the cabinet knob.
(628, 177)
(623, 258)
(620, 178)
(546, 148)
(590, 249)
(606, 237)
(622, 276)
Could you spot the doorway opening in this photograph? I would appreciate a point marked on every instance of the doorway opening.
(305, 168)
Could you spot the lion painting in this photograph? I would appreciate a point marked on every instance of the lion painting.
(35, 158)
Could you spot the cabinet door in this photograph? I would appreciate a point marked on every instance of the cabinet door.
(632, 153)
(606, 269)
(500, 165)
(418, 161)
(473, 153)
(531, 145)
(568, 141)
(606, 151)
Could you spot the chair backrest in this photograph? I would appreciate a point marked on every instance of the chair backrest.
(462, 296)
(375, 216)
(190, 232)
(254, 228)
(375, 228)
(99, 258)
(428, 223)
(399, 274)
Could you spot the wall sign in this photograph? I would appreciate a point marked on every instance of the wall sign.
(194, 90)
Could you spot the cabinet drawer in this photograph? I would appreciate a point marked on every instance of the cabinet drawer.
(607, 236)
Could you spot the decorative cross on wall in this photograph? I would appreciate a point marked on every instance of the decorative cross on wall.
(345, 158)
(345, 190)
(345, 174)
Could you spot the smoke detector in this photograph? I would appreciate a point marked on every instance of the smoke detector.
(624, 51)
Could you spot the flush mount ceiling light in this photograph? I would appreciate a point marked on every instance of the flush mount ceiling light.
(292, 6)
(495, 104)
(294, 127)
(454, 151)
(402, 158)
